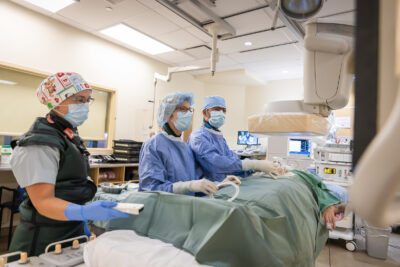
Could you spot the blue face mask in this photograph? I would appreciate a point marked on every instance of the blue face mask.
(77, 114)
(183, 121)
(217, 119)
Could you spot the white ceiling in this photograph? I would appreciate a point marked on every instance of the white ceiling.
(273, 54)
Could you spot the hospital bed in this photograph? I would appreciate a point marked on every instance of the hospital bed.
(271, 222)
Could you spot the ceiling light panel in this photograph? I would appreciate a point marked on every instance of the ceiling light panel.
(51, 5)
(138, 40)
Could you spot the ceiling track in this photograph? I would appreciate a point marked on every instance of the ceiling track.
(181, 13)
(256, 32)
(237, 14)
(229, 30)
(266, 47)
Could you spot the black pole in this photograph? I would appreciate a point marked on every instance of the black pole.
(366, 74)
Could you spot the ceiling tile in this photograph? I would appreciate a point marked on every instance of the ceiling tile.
(179, 39)
(172, 16)
(198, 33)
(337, 6)
(271, 13)
(250, 22)
(151, 23)
(284, 53)
(263, 39)
(199, 52)
(175, 57)
(92, 13)
(152, 4)
(346, 18)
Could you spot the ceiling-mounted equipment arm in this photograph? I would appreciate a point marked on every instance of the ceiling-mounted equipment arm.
(221, 23)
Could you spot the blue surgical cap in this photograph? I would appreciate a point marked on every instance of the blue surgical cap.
(169, 103)
(214, 101)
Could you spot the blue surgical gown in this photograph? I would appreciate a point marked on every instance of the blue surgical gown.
(213, 154)
(165, 160)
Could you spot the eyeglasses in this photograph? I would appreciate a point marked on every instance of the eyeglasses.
(83, 100)
(184, 109)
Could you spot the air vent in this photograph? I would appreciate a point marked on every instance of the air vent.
(114, 2)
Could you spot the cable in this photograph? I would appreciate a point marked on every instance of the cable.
(227, 183)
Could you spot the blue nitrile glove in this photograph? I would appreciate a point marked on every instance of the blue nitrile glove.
(99, 210)
(86, 230)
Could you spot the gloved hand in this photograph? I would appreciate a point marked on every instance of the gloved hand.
(100, 210)
(272, 168)
(205, 186)
(232, 178)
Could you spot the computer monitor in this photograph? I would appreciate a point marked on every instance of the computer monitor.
(244, 138)
(299, 146)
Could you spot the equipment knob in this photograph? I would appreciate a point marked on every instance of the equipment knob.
(23, 258)
(75, 244)
(58, 249)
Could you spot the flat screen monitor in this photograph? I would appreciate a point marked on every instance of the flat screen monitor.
(299, 146)
(244, 138)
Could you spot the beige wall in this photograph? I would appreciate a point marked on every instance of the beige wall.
(236, 119)
(39, 42)
(257, 96)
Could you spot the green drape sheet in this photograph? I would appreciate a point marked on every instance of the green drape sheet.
(271, 222)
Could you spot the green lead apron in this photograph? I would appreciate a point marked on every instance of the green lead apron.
(36, 231)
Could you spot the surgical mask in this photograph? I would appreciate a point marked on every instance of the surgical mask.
(217, 119)
(77, 114)
(183, 121)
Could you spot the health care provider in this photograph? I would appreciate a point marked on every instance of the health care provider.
(51, 162)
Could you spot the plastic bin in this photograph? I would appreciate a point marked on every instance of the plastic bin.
(377, 241)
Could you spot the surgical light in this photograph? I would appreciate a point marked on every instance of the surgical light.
(300, 9)
(133, 38)
(51, 5)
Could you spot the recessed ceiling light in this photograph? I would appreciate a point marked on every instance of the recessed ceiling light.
(285, 71)
(7, 82)
(51, 5)
(136, 39)
(109, 9)
(248, 43)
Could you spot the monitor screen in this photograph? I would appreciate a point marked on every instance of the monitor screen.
(299, 146)
(244, 138)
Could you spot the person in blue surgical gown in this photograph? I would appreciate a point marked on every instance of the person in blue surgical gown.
(166, 162)
(212, 152)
